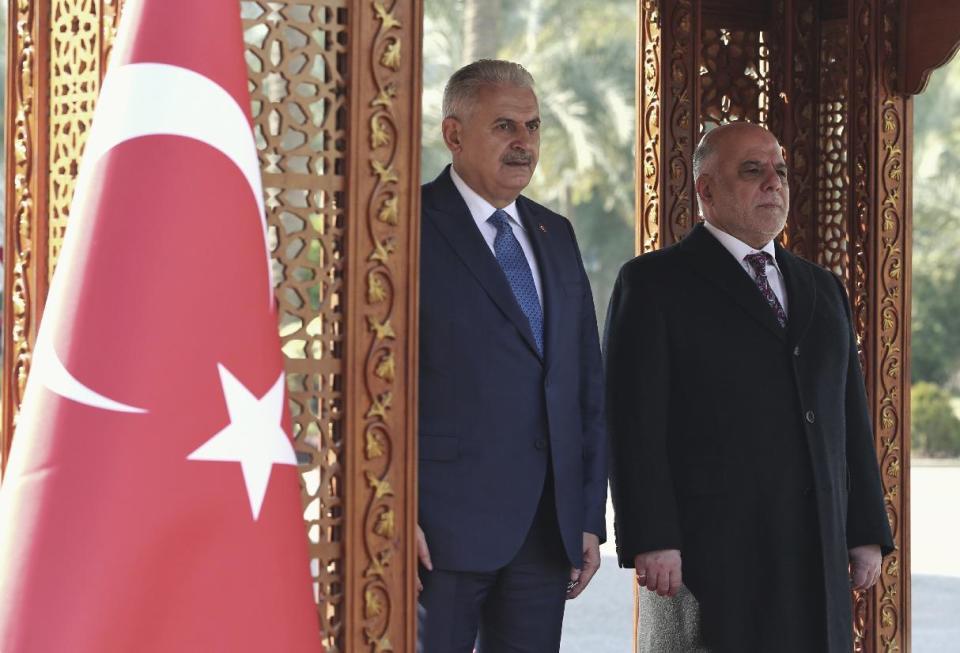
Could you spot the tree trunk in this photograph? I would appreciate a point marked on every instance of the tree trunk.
(481, 29)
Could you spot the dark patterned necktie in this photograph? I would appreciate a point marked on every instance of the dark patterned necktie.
(758, 261)
(514, 263)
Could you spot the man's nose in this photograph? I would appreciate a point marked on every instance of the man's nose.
(523, 138)
(772, 180)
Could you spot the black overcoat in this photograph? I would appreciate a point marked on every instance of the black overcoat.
(745, 445)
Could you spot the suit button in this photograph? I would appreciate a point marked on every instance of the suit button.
(540, 444)
(796, 350)
(810, 416)
(807, 491)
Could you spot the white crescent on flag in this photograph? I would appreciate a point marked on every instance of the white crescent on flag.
(145, 99)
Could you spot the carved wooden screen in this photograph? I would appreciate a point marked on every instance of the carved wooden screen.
(821, 76)
(56, 58)
(335, 101)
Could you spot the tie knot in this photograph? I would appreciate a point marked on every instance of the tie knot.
(500, 219)
(758, 261)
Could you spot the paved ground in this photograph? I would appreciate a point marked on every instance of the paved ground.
(600, 621)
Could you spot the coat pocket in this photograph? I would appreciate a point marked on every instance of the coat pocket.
(439, 447)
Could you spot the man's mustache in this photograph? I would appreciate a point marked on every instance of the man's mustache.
(518, 157)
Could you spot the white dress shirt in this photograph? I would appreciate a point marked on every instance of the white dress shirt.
(482, 210)
(740, 250)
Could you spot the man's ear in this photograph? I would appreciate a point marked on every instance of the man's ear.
(452, 134)
(704, 190)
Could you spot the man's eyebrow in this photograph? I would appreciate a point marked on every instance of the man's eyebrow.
(749, 162)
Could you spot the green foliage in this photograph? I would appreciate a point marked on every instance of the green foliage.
(936, 230)
(934, 425)
(583, 58)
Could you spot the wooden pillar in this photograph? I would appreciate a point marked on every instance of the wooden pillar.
(383, 237)
(880, 129)
(680, 117)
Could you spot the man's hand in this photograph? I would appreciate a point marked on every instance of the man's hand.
(423, 553)
(580, 578)
(659, 571)
(864, 566)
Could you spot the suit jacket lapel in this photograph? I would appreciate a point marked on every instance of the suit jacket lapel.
(450, 215)
(801, 294)
(549, 275)
(714, 263)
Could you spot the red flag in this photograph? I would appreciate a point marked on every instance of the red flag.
(151, 502)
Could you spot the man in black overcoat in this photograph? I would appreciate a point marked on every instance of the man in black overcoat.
(743, 470)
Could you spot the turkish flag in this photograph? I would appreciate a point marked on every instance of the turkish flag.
(151, 501)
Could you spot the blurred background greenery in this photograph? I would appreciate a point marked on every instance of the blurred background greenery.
(583, 58)
(935, 337)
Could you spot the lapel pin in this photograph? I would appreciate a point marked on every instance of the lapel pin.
(542, 228)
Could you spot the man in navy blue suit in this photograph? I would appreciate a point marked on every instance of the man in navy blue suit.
(511, 438)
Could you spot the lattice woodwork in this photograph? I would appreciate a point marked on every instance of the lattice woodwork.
(833, 179)
(648, 128)
(881, 246)
(75, 71)
(297, 56)
(800, 127)
(734, 79)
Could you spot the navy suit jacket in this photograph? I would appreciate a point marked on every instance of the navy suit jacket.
(492, 412)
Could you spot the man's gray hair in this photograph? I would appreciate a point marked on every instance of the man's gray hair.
(464, 84)
(702, 152)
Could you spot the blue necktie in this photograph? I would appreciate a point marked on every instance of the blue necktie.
(514, 263)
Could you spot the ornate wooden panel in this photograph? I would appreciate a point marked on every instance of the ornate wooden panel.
(26, 178)
(879, 158)
(383, 233)
(335, 101)
(794, 34)
(649, 165)
(680, 45)
(833, 179)
(733, 76)
(334, 87)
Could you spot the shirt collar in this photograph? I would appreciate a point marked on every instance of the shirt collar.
(737, 247)
(481, 209)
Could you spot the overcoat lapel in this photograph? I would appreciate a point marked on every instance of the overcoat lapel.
(450, 215)
(546, 256)
(713, 262)
(801, 294)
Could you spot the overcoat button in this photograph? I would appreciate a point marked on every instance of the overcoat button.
(810, 416)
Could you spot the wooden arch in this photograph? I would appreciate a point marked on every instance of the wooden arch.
(336, 92)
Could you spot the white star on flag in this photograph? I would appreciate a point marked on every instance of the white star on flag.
(254, 437)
